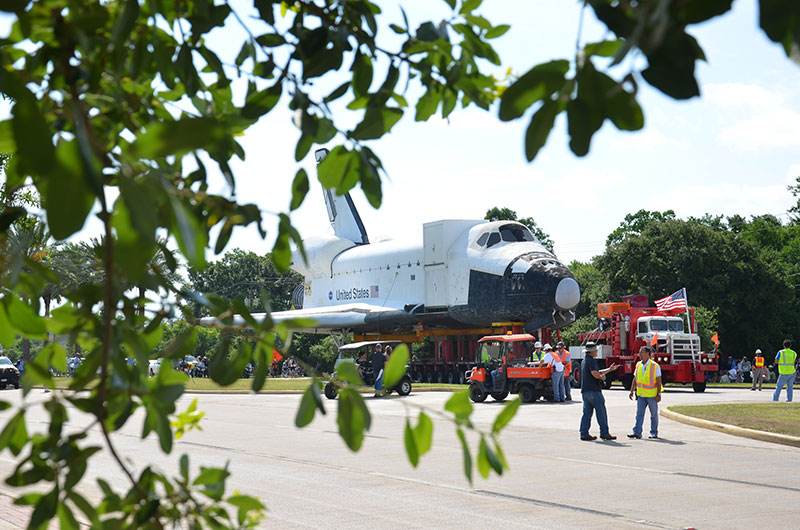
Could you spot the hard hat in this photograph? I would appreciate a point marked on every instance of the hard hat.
(548, 347)
(758, 351)
(560, 344)
(590, 346)
(537, 344)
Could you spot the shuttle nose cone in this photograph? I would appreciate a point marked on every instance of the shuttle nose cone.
(568, 294)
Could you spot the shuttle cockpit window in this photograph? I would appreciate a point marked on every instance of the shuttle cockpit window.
(494, 238)
(482, 240)
(516, 233)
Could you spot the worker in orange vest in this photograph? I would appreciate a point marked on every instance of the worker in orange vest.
(557, 364)
(759, 371)
(566, 358)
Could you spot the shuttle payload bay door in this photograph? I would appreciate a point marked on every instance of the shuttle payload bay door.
(435, 266)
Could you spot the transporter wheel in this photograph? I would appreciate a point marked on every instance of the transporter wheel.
(575, 376)
(527, 394)
(499, 396)
(476, 393)
(330, 391)
(2, 386)
(627, 381)
(699, 387)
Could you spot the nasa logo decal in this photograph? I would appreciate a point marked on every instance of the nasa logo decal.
(330, 295)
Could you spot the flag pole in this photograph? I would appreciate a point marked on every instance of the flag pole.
(691, 328)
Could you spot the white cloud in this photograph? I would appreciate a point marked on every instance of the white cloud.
(773, 129)
(648, 139)
(741, 95)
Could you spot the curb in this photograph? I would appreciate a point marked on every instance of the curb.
(764, 436)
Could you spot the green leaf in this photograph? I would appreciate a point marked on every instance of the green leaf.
(459, 404)
(696, 12)
(539, 129)
(299, 189)
(4, 405)
(261, 102)
(671, 65)
(396, 367)
(15, 434)
(213, 478)
(339, 92)
(181, 136)
(340, 170)
(423, 433)
(411, 445)
(497, 31)
(191, 236)
(582, 125)
(66, 518)
(467, 457)
(45, 509)
(312, 400)
(353, 418)
(125, 22)
(23, 318)
(624, 111)
(606, 48)
(8, 334)
(70, 196)
(226, 371)
(376, 123)
(362, 74)
(346, 371)
(32, 135)
(538, 83)
(482, 460)
(494, 461)
(505, 415)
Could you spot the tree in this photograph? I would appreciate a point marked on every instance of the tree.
(720, 271)
(795, 210)
(506, 214)
(130, 101)
(245, 275)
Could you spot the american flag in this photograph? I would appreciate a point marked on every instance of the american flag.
(676, 300)
(373, 291)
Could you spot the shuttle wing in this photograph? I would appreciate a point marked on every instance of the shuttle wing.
(340, 317)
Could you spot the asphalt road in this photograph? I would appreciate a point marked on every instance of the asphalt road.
(690, 478)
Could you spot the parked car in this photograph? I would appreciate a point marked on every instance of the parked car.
(9, 375)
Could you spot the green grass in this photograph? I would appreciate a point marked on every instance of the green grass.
(271, 384)
(782, 418)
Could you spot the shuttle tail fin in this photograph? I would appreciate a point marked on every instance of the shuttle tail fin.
(342, 212)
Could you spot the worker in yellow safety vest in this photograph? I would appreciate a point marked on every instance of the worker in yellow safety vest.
(786, 361)
(647, 387)
(759, 372)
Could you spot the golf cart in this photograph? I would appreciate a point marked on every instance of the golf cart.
(509, 357)
(359, 353)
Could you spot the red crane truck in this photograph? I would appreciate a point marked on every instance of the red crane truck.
(626, 326)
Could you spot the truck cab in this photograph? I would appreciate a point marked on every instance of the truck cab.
(673, 341)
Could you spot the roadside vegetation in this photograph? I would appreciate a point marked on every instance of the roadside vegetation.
(781, 418)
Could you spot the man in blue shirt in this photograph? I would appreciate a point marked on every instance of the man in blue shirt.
(593, 400)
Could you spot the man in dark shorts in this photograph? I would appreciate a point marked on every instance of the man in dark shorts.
(593, 401)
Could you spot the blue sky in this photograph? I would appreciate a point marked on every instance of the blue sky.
(732, 151)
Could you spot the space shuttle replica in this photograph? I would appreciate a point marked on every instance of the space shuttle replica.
(462, 274)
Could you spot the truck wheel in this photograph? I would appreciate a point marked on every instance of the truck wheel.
(500, 396)
(627, 381)
(330, 391)
(699, 387)
(575, 376)
(476, 393)
(404, 388)
(527, 394)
